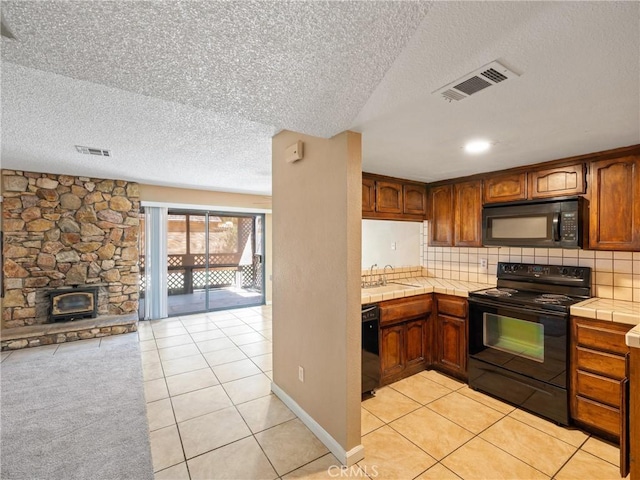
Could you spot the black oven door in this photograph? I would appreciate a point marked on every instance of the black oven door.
(526, 341)
(520, 356)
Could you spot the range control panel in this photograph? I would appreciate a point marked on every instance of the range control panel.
(544, 273)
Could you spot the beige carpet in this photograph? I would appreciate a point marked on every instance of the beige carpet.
(75, 415)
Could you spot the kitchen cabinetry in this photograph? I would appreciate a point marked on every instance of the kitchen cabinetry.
(599, 380)
(414, 199)
(536, 183)
(456, 215)
(505, 188)
(450, 338)
(634, 414)
(557, 182)
(388, 198)
(614, 222)
(368, 195)
(405, 337)
(442, 216)
(468, 214)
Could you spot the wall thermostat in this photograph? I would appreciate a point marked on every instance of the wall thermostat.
(293, 153)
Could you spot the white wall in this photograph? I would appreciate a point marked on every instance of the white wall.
(377, 237)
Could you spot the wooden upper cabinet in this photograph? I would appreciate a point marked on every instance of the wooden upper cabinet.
(368, 195)
(442, 216)
(389, 197)
(505, 188)
(415, 199)
(614, 221)
(468, 214)
(557, 182)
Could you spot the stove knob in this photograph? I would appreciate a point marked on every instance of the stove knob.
(564, 271)
(576, 273)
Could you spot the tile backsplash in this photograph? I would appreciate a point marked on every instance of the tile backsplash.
(614, 275)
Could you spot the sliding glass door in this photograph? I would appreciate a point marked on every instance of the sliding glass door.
(215, 261)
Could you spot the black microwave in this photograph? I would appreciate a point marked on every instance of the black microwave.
(555, 223)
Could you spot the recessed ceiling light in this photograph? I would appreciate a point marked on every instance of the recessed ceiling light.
(477, 146)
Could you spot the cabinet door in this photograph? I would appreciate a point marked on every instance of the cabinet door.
(368, 195)
(391, 350)
(557, 182)
(416, 345)
(468, 214)
(633, 453)
(442, 218)
(415, 199)
(388, 197)
(452, 344)
(505, 188)
(615, 204)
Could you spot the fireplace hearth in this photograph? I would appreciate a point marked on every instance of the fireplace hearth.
(73, 303)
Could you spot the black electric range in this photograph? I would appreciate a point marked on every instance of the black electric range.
(519, 335)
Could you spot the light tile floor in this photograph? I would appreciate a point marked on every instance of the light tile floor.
(211, 415)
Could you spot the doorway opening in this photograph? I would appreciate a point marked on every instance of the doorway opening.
(215, 261)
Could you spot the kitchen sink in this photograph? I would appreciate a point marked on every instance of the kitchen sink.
(405, 284)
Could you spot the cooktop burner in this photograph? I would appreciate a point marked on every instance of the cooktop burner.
(500, 292)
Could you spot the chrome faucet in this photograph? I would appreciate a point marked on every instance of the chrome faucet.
(384, 273)
(371, 282)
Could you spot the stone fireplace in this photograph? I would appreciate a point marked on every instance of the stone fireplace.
(62, 231)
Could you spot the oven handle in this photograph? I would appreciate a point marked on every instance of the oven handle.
(511, 308)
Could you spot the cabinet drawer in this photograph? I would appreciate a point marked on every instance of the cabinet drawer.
(605, 338)
(597, 387)
(405, 309)
(598, 415)
(606, 364)
(452, 306)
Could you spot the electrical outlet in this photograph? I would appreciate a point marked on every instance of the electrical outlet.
(483, 263)
(300, 373)
(393, 245)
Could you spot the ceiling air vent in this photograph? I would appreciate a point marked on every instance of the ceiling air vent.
(93, 151)
(487, 76)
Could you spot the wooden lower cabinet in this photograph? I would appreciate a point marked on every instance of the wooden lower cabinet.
(416, 342)
(599, 389)
(452, 354)
(391, 351)
(634, 413)
(405, 337)
(450, 337)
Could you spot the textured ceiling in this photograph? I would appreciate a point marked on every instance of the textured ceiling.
(579, 89)
(304, 66)
(190, 93)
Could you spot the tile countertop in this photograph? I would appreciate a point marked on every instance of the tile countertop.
(619, 311)
(408, 287)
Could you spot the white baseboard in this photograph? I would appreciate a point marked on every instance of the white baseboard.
(346, 458)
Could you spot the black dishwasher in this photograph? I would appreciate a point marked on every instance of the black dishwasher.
(370, 349)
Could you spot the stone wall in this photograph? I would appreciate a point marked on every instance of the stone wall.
(62, 231)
